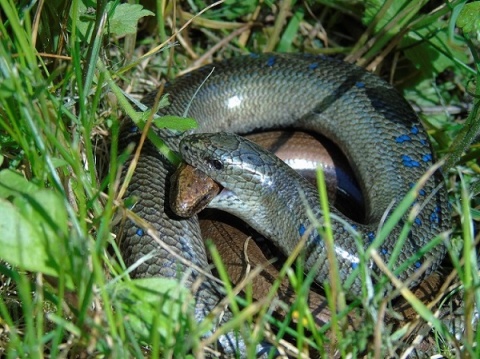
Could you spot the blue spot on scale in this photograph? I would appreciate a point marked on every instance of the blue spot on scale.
(423, 142)
(140, 232)
(409, 162)
(354, 265)
(414, 130)
(422, 192)
(317, 239)
(418, 264)
(313, 66)
(427, 157)
(403, 138)
(301, 230)
(434, 218)
(418, 221)
(133, 129)
(360, 84)
(371, 236)
(271, 61)
(384, 251)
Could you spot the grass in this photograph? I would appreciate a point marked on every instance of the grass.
(65, 289)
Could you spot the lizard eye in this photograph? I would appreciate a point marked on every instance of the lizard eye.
(216, 164)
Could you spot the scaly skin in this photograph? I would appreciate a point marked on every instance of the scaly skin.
(368, 119)
(275, 200)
